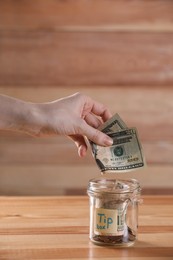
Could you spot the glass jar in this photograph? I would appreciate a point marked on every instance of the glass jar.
(113, 211)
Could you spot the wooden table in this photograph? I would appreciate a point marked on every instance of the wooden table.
(58, 227)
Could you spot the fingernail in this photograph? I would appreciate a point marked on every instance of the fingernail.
(82, 151)
(108, 141)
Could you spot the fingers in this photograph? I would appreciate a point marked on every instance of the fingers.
(101, 110)
(93, 121)
(82, 149)
(91, 133)
(80, 143)
(87, 116)
(91, 106)
(95, 135)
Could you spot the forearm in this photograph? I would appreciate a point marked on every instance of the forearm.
(18, 115)
(77, 116)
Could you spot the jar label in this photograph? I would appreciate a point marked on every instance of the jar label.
(109, 222)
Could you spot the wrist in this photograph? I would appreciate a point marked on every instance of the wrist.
(26, 118)
(34, 119)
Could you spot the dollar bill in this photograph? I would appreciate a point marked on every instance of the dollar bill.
(125, 154)
(114, 124)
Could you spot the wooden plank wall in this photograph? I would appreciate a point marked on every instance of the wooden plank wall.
(118, 52)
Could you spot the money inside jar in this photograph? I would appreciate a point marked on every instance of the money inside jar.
(125, 154)
(113, 211)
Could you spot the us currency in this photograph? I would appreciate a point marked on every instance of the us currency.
(125, 154)
(114, 124)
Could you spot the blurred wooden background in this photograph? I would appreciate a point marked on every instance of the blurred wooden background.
(118, 52)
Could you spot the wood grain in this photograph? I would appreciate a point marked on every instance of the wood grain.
(68, 179)
(58, 227)
(80, 15)
(119, 52)
(80, 58)
(40, 166)
(33, 152)
(86, 43)
(148, 109)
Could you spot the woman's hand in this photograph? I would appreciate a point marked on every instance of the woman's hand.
(76, 116)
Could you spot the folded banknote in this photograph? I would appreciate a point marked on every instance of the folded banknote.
(125, 154)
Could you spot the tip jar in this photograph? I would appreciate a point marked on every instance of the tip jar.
(113, 211)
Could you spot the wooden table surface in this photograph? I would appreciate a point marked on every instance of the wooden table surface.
(58, 228)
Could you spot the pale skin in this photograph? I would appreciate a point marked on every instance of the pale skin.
(77, 116)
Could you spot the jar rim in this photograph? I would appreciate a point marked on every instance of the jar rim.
(113, 186)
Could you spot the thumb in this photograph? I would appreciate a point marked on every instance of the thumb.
(96, 135)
